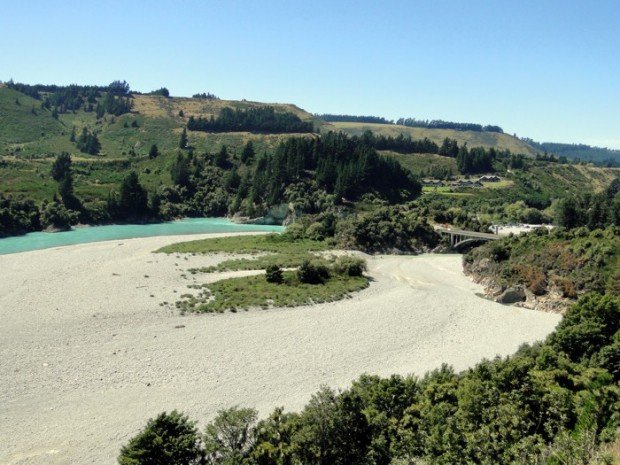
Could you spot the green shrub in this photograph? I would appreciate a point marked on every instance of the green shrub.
(169, 439)
(312, 272)
(56, 215)
(273, 274)
(350, 266)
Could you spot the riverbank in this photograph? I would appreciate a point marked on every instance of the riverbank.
(89, 234)
(88, 353)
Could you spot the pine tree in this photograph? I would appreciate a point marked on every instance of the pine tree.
(248, 153)
(61, 166)
(154, 152)
(221, 158)
(183, 139)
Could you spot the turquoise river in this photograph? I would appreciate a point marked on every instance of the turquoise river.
(82, 235)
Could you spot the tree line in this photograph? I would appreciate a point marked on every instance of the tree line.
(205, 96)
(591, 210)
(441, 124)
(469, 161)
(579, 152)
(342, 166)
(331, 118)
(62, 99)
(311, 173)
(259, 119)
(400, 143)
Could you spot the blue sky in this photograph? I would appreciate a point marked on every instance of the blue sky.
(549, 70)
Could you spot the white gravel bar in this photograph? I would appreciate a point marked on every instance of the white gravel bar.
(87, 354)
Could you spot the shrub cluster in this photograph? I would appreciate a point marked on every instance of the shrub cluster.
(555, 402)
(313, 272)
(571, 262)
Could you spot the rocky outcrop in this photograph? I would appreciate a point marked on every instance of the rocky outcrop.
(518, 295)
(512, 295)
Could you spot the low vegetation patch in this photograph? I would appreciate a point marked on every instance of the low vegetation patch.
(567, 262)
(256, 291)
(293, 274)
(249, 244)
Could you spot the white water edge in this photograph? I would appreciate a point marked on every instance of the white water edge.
(87, 354)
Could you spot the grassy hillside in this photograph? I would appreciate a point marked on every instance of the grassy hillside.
(30, 140)
(472, 138)
(25, 134)
(559, 180)
(420, 163)
(19, 124)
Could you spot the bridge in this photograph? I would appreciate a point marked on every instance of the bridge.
(460, 237)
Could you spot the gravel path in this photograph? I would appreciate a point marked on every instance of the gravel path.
(87, 354)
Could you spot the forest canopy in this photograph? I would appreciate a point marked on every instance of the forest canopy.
(262, 119)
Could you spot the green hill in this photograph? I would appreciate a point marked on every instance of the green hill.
(30, 138)
(472, 138)
(284, 168)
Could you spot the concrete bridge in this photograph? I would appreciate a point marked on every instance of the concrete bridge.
(460, 237)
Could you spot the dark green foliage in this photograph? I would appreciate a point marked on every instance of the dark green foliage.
(334, 430)
(387, 229)
(64, 99)
(343, 167)
(54, 214)
(449, 148)
(61, 166)
(62, 173)
(169, 439)
(550, 403)
(247, 156)
(400, 143)
(118, 88)
(230, 437)
(587, 328)
(598, 155)
(354, 119)
(161, 91)
(114, 105)
(499, 251)
(221, 159)
(273, 274)
(205, 96)
(350, 266)
(153, 152)
(476, 160)
(88, 142)
(180, 170)
(568, 262)
(18, 216)
(262, 119)
(312, 272)
(132, 202)
(591, 210)
(183, 139)
(439, 124)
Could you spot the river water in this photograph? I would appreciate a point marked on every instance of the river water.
(81, 235)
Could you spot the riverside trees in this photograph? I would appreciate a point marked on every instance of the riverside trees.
(548, 401)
